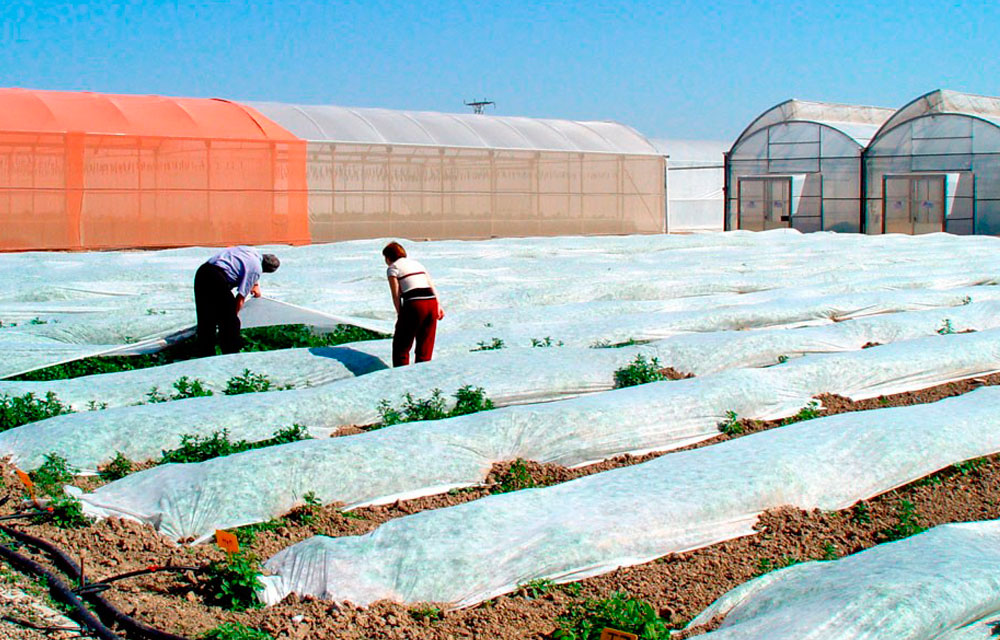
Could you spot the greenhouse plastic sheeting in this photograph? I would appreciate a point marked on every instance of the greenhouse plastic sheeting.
(141, 432)
(465, 554)
(942, 583)
(508, 375)
(96, 300)
(410, 460)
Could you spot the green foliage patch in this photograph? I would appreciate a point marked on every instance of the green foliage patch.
(468, 399)
(731, 426)
(118, 468)
(808, 412)
(18, 410)
(585, 621)
(196, 448)
(639, 371)
(247, 382)
(235, 631)
(233, 583)
(184, 387)
(907, 523)
(493, 345)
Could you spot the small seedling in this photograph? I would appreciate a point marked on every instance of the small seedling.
(235, 631)
(66, 512)
(197, 448)
(247, 382)
(969, 466)
(766, 565)
(233, 583)
(18, 410)
(493, 345)
(54, 472)
(428, 613)
(118, 468)
(861, 514)
(808, 412)
(515, 478)
(732, 425)
(586, 621)
(830, 551)
(94, 405)
(907, 522)
(469, 399)
(639, 371)
(946, 328)
(535, 588)
(782, 359)
(37, 320)
(545, 342)
(184, 387)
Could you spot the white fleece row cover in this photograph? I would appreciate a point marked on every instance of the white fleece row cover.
(943, 584)
(141, 432)
(88, 303)
(465, 554)
(414, 459)
(537, 375)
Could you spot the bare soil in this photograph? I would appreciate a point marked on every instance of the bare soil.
(679, 586)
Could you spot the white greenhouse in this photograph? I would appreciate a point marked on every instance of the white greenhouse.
(378, 172)
(798, 165)
(935, 166)
(695, 177)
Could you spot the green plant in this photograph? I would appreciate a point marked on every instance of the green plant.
(54, 472)
(413, 409)
(235, 631)
(184, 387)
(493, 345)
(586, 621)
(233, 583)
(18, 410)
(247, 382)
(782, 359)
(196, 448)
(766, 565)
(306, 514)
(969, 466)
(118, 468)
(545, 342)
(830, 551)
(94, 405)
(429, 613)
(907, 523)
(37, 320)
(247, 534)
(861, 514)
(732, 425)
(807, 412)
(66, 512)
(469, 399)
(639, 371)
(515, 478)
(535, 588)
(946, 327)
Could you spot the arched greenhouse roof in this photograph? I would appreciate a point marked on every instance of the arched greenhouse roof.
(945, 101)
(691, 152)
(37, 111)
(327, 123)
(860, 123)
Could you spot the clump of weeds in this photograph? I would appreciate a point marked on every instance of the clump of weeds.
(493, 345)
(545, 342)
(639, 371)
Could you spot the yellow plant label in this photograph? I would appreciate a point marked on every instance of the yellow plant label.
(227, 541)
(615, 634)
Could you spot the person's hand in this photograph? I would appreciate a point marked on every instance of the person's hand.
(255, 292)
(440, 313)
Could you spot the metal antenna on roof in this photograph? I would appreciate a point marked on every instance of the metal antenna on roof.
(478, 106)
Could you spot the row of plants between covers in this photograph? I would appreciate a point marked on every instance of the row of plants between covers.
(232, 584)
(254, 339)
(19, 410)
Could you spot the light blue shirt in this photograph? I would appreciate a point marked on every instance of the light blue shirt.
(242, 266)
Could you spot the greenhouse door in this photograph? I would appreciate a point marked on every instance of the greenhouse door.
(765, 203)
(914, 204)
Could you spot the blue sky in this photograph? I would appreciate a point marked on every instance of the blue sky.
(670, 69)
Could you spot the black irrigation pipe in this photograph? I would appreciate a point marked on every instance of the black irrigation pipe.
(67, 565)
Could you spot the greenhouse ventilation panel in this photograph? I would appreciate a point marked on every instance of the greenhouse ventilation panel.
(935, 166)
(798, 165)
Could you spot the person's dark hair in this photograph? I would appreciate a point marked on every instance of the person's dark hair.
(269, 263)
(394, 251)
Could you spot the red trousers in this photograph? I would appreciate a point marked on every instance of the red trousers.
(417, 320)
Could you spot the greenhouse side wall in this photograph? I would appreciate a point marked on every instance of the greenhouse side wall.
(364, 191)
(78, 191)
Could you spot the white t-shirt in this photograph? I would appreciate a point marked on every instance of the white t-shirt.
(412, 277)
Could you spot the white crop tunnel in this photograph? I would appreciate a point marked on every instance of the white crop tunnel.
(799, 165)
(935, 166)
(695, 180)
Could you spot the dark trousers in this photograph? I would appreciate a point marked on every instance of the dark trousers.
(417, 320)
(215, 305)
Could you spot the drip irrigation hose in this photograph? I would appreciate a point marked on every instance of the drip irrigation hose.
(105, 584)
(104, 609)
(60, 591)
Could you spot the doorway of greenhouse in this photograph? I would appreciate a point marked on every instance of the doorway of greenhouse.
(765, 203)
(914, 204)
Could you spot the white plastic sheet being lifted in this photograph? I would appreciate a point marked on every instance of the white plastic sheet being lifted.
(465, 554)
(409, 460)
(88, 303)
(537, 375)
(941, 584)
(141, 432)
